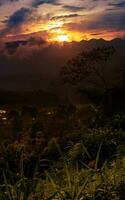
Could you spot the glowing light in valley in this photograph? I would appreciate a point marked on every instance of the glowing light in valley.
(2, 111)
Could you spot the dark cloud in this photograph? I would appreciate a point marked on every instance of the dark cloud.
(73, 8)
(110, 21)
(118, 5)
(37, 3)
(6, 1)
(19, 17)
(15, 20)
(12, 46)
(94, 34)
(64, 16)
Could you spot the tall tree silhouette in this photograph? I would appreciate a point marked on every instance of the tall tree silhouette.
(90, 68)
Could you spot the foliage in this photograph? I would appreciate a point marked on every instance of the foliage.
(87, 63)
(70, 153)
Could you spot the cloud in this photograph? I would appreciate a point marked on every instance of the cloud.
(18, 17)
(110, 21)
(12, 46)
(37, 3)
(73, 8)
(65, 16)
(16, 20)
(118, 5)
(7, 1)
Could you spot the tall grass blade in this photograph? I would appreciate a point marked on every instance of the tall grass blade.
(86, 151)
(51, 180)
(68, 177)
(82, 188)
(97, 156)
(7, 188)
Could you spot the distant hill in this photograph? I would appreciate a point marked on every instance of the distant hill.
(35, 64)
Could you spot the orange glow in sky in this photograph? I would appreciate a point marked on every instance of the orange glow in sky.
(61, 20)
(62, 38)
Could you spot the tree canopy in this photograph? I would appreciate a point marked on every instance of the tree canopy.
(89, 66)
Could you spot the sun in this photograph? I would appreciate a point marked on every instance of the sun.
(62, 38)
(61, 35)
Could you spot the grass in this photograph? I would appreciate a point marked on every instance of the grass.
(82, 164)
(69, 182)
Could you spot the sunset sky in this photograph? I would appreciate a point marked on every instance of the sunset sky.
(62, 20)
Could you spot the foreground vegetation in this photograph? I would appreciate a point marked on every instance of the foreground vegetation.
(62, 158)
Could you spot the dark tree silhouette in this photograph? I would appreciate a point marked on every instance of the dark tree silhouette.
(89, 65)
(90, 69)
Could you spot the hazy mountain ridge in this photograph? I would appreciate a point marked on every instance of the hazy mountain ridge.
(34, 64)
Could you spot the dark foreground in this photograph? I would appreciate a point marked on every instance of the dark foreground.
(61, 152)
